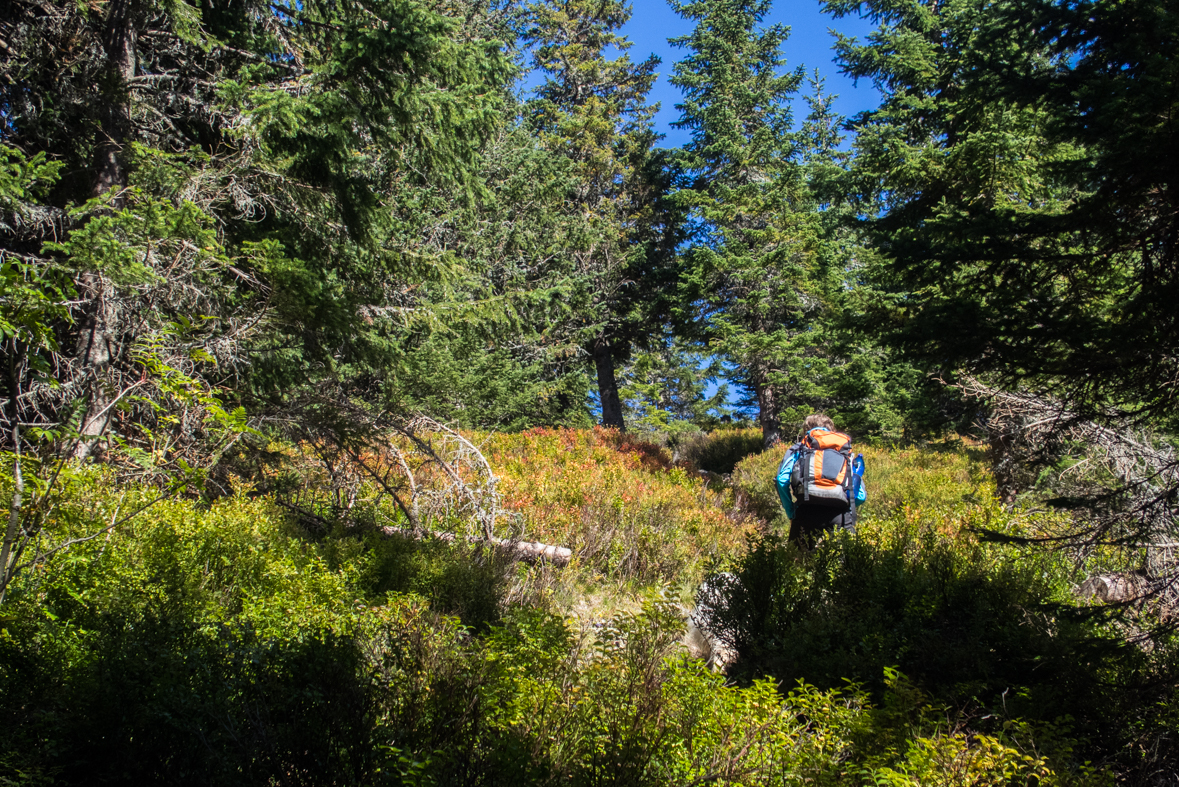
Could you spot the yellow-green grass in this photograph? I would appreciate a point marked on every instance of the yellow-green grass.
(942, 490)
(624, 508)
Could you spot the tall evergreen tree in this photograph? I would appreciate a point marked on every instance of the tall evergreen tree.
(593, 110)
(752, 260)
(495, 344)
(221, 208)
(1021, 176)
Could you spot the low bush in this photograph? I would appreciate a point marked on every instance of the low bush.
(719, 451)
(466, 580)
(221, 646)
(753, 482)
(963, 620)
(628, 512)
(226, 645)
(230, 644)
(990, 629)
(625, 707)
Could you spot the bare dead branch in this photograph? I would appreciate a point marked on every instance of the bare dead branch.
(1134, 510)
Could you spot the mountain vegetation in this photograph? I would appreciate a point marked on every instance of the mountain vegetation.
(383, 402)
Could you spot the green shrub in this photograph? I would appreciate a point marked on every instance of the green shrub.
(719, 451)
(753, 481)
(626, 708)
(942, 476)
(987, 629)
(223, 644)
(911, 740)
(217, 646)
(468, 581)
(964, 620)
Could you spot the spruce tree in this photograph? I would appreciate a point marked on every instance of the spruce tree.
(752, 261)
(1019, 178)
(496, 343)
(593, 110)
(227, 169)
(666, 389)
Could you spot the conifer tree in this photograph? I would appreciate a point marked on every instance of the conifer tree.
(666, 388)
(1020, 178)
(752, 261)
(494, 345)
(226, 173)
(593, 110)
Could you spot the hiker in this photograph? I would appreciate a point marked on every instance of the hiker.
(819, 483)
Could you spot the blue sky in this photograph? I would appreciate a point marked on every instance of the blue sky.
(809, 45)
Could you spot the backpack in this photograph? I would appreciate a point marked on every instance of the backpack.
(823, 473)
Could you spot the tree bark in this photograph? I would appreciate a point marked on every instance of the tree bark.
(608, 385)
(767, 410)
(118, 43)
(93, 352)
(14, 514)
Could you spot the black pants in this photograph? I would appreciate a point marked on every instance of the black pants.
(810, 522)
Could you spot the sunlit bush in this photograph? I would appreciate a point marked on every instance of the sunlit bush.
(228, 644)
(624, 708)
(620, 503)
(720, 450)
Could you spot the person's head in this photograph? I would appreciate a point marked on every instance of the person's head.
(817, 421)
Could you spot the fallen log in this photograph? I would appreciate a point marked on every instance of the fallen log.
(525, 551)
(1113, 588)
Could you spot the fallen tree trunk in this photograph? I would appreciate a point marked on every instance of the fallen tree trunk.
(526, 551)
(1113, 588)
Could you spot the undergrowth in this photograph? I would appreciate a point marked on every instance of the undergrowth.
(630, 515)
(929, 587)
(234, 643)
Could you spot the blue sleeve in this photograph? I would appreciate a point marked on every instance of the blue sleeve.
(861, 490)
(783, 482)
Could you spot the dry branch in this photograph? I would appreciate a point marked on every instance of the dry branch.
(439, 480)
(525, 551)
(1138, 515)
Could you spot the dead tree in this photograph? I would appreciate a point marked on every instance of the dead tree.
(1122, 485)
(439, 481)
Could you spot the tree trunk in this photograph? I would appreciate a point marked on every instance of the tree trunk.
(526, 551)
(118, 42)
(94, 348)
(608, 385)
(93, 354)
(14, 514)
(767, 410)
(1005, 466)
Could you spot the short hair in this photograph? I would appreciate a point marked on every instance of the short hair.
(817, 421)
